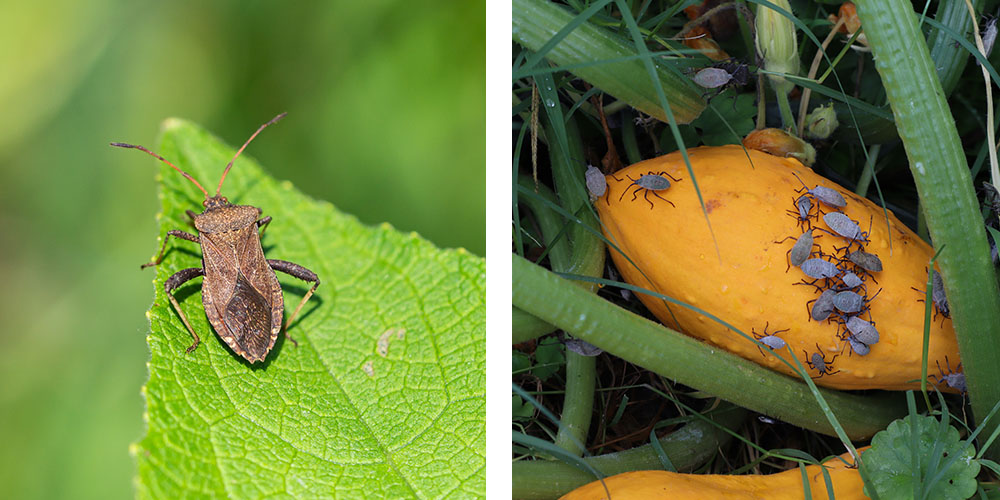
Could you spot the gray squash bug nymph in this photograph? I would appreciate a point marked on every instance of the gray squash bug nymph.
(848, 302)
(851, 281)
(842, 225)
(802, 212)
(721, 76)
(938, 296)
(712, 78)
(867, 261)
(819, 269)
(597, 185)
(771, 340)
(800, 251)
(819, 362)
(954, 379)
(863, 331)
(240, 292)
(825, 195)
(650, 183)
(859, 348)
(822, 306)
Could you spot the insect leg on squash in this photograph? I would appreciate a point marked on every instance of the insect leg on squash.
(803, 211)
(801, 250)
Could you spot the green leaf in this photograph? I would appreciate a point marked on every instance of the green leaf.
(384, 397)
(890, 460)
(550, 356)
(729, 120)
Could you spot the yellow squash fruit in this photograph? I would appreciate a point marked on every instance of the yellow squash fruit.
(743, 276)
(787, 485)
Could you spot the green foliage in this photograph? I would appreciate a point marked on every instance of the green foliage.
(520, 409)
(384, 396)
(729, 120)
(549, 358)
(911, 452)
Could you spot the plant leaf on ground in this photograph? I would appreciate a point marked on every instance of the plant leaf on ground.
(385, 395)
(890, 460)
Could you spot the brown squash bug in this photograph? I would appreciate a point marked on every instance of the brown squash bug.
(240, 293)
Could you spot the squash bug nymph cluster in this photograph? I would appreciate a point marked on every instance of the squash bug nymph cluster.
(840, 277)
(240, 292)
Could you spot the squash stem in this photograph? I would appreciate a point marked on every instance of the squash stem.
(691, 362)
(586, 258)
(578, 405)
(787, 119)
(525, 327)
(868, 171)
(688, 447)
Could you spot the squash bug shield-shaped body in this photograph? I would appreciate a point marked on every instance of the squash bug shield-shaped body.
(649, 183)
(771, 340)
(819, 363)
(825, 195)
(240, 292)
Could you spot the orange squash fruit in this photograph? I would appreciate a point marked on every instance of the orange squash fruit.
(743, 275)
(787, 485)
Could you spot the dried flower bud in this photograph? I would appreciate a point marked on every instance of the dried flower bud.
(849, 14)
(777, 142)
(701, 40)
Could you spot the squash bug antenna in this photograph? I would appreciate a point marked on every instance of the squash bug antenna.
(230, 164)
(140, 148)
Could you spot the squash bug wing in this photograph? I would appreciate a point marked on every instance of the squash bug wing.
(230, 257)
(246, 317)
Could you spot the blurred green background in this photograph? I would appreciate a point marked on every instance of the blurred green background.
(386, 103)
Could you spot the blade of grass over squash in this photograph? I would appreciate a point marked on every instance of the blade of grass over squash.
(691, 362)
(939, 168)
(928, 306)
(537, 25)
(671, 119)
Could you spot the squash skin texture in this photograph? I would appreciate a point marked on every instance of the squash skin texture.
(746, 283)
(787, 485)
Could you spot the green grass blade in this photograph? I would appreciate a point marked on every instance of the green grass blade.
(535, 22)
